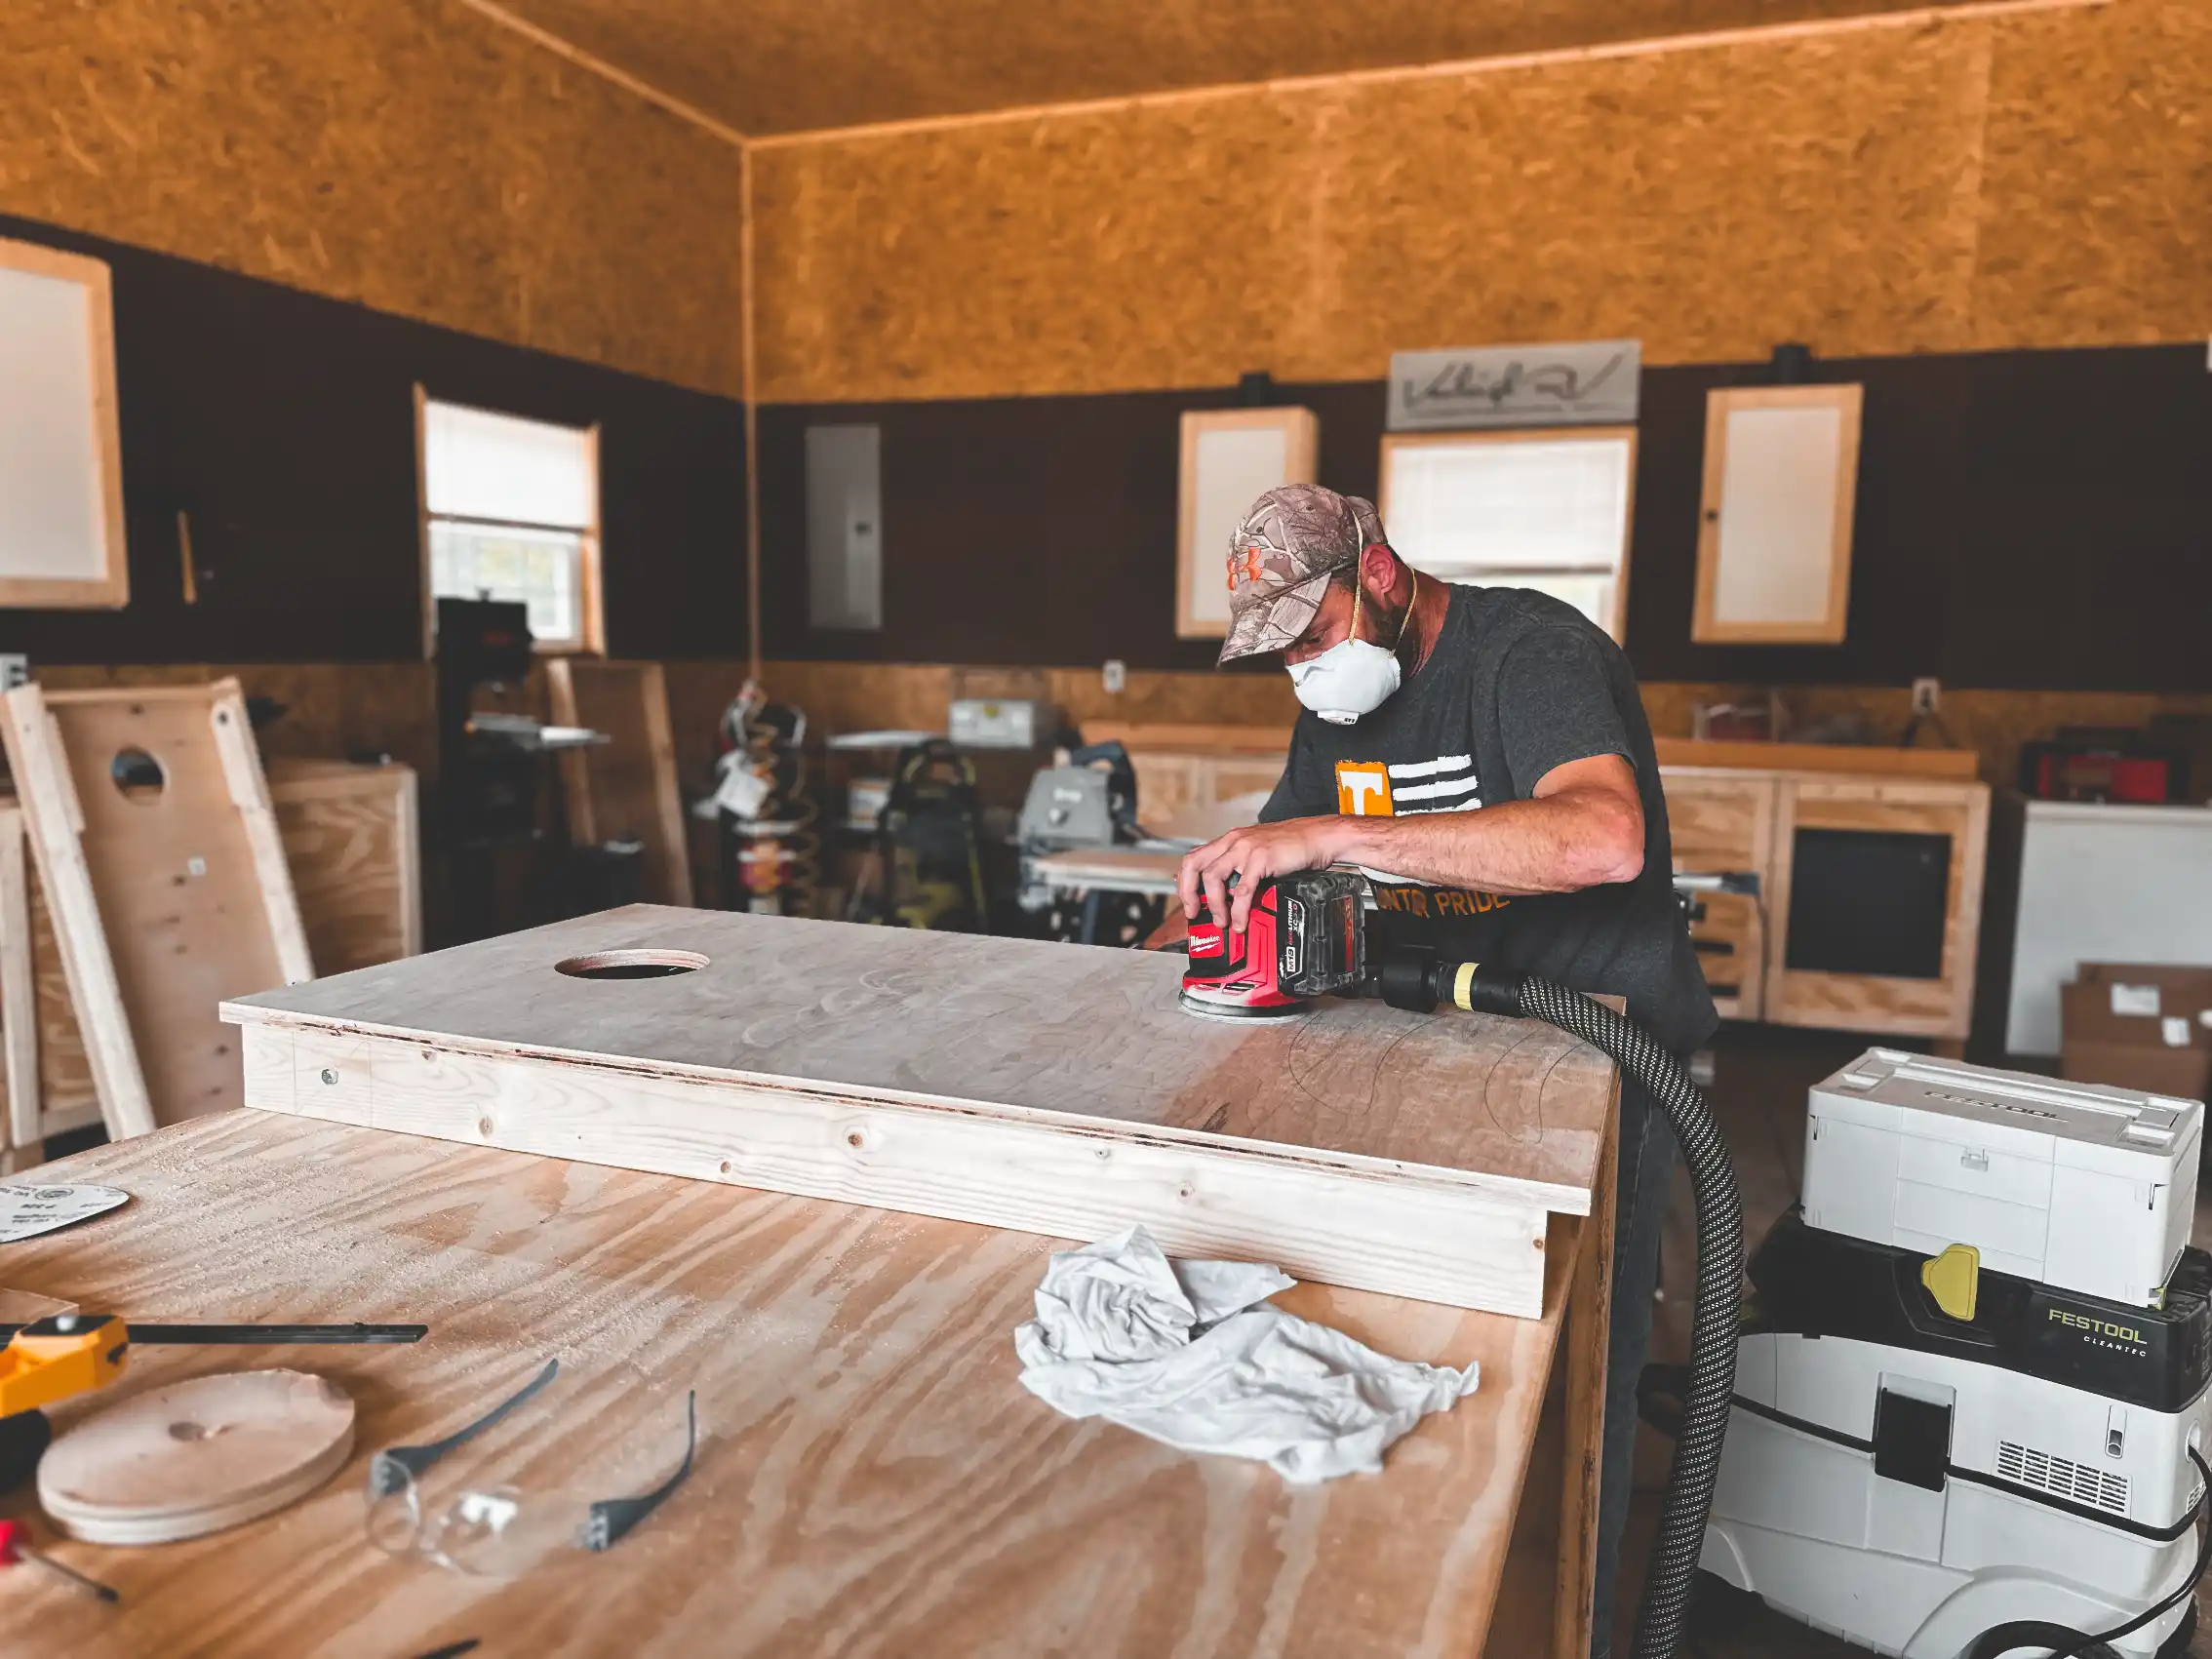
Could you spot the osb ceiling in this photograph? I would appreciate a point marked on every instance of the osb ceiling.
(767, 66)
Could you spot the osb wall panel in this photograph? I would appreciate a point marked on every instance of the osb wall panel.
(2096, 222)
(787, 66)
(1856, 191)
(409, 154)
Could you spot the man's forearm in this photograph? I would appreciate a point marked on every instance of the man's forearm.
(1560, 843)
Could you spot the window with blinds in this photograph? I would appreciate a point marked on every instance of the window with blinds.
(510, 510)
(1544, 508)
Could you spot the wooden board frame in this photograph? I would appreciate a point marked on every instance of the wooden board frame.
(24, 1126)
(1720, 404)
(628, 700)
(224, 768)
(112, 589)
(1301, 450)
(1015, 1082)
(591, 608)
(1941, 1008)
(1616, 622)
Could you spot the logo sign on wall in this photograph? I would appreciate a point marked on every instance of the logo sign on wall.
(1581, 383)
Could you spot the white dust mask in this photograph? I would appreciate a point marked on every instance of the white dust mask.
(1354, 676)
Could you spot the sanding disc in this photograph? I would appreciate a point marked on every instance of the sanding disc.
(196, 1456)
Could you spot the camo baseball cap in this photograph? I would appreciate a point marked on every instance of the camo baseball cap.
(1281, 558)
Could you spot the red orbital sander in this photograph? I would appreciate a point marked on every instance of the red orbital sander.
(1305, 939)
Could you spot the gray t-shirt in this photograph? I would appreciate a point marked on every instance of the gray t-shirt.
(1517, 685)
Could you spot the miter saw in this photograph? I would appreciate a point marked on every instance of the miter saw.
(1085, 802)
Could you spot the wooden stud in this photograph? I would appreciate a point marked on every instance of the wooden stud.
(1721, 406)
(19, 1000)
(422, 520)
(250, 793)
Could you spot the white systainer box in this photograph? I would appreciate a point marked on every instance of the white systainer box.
(2076, 1185)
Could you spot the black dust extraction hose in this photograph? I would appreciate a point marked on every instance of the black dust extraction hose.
(1718, 1308)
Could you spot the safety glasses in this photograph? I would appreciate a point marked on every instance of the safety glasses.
(500, 1530)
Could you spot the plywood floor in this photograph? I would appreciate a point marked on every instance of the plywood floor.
(1759, 1091)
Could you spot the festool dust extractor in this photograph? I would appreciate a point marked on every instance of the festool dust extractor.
(1971, 1398)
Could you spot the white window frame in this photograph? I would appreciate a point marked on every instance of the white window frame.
(1519, 576)
(591, 640)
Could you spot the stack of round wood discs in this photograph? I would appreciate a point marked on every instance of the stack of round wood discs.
(196, 1456)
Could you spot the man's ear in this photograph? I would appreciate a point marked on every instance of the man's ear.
(1378, 571)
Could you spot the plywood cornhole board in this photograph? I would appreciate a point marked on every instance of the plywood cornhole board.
(164, 899)
(625, 788)
(1045, 1088)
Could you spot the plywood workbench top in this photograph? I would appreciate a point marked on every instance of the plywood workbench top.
(1005, 1029)
(872, 1481)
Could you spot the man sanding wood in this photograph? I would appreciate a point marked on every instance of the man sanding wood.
(1483, 754)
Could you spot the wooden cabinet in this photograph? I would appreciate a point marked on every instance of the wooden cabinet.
(1869, 894)
(1721, 823)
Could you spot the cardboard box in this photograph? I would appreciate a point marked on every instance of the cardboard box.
(2139, 1025)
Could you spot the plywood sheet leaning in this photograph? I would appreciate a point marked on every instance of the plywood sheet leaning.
(625, 789)
(159, 856)
(1038, 1086)
(352, 840)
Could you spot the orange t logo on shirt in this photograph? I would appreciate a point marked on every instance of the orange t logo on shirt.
(1363, 789)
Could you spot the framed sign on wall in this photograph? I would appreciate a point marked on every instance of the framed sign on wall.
(1231, 457)
(1542, 508)
(60, 448)
(1774, 531)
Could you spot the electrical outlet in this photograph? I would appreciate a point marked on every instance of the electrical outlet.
(1117, 676)
(1927, 696)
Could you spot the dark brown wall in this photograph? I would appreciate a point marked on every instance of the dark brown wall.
(285, 423)
(2038, 520)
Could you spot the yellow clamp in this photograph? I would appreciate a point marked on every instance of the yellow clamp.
(38, 1370)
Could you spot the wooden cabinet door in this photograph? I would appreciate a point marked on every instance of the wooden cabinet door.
(1935, 1002)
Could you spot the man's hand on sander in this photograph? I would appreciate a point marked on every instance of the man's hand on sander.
(1251, 855)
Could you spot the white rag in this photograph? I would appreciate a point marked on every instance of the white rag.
(1187, 1353)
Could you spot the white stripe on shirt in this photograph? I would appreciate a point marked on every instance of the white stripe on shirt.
(1467, 805)
(1430, 768)
(1430, 791)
